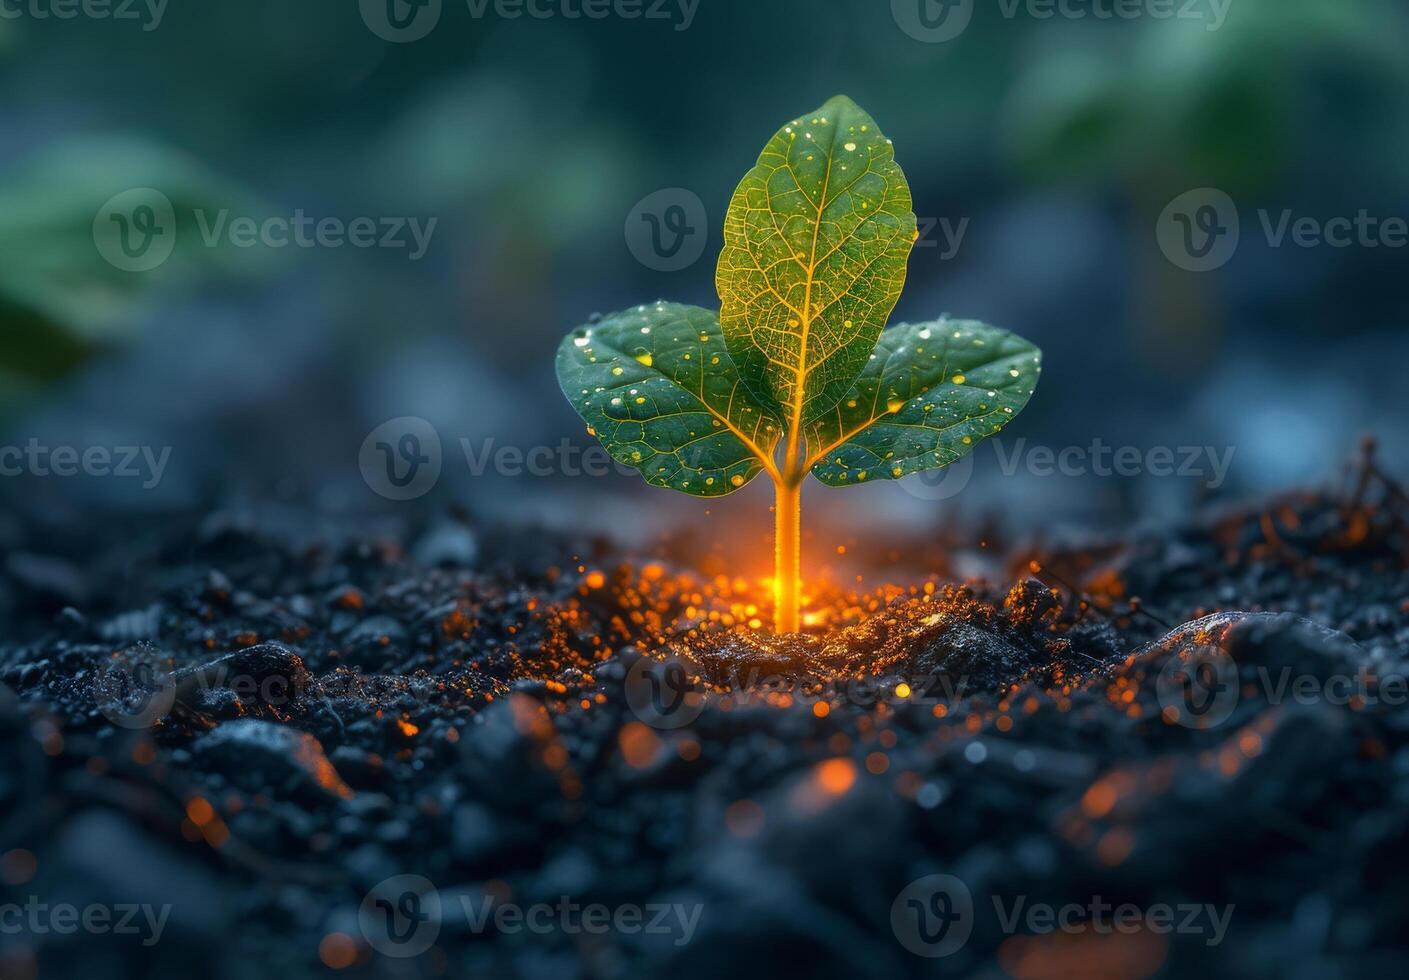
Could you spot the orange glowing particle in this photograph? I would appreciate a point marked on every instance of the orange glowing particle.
(877, 763)
(744, 818)
(940, 711)
(1099, 800)
(688, 749)
(408, 729)
(902, 690)
(639, 745)
(338, 951)
(836, 776)
(595, 580)
(821, 709)
(1004, 723)
(216, 834)
(907, 784)
(200, 811)
(1115, 846)
(841, 549)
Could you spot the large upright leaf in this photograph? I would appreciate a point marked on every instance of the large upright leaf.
(657, 386)
(929, 394)
(815, 244)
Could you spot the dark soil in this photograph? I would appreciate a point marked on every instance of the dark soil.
(332, 709)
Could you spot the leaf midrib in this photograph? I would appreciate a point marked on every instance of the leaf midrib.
(799, 389)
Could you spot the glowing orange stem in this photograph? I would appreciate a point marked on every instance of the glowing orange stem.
(787, 541)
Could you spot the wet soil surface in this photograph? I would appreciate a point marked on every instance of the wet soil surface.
(449, 750)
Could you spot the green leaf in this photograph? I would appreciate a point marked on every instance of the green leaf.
(657, 386)
(930, 393)
(815, 246)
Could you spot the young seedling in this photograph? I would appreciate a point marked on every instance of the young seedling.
(794, 374)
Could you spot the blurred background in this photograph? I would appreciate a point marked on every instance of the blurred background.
(1196, 208)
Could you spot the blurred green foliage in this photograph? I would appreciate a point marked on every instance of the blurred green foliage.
(59, 298)
(1173, 102)
(530, 140)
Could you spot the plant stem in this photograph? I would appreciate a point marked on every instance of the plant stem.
(787, 544)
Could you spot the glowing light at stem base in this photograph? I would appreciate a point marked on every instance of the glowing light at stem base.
(787, 545)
